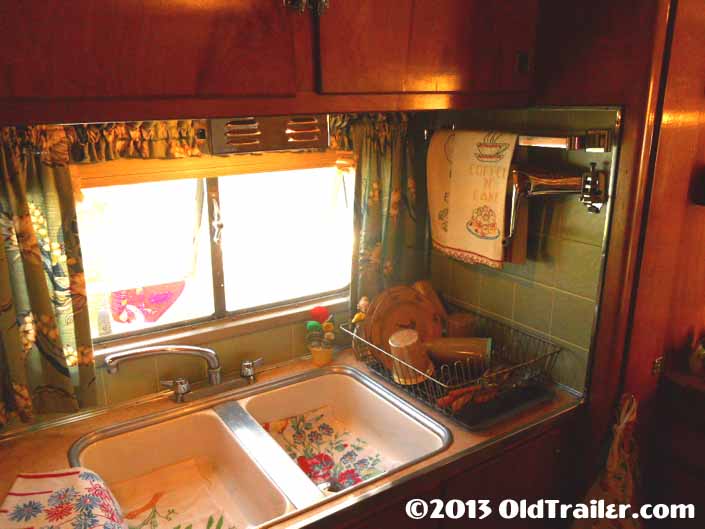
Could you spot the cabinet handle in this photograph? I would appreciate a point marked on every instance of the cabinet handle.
(522, 63)
(317, 7)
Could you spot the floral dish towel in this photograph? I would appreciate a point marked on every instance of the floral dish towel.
(186, 495)
(324, 449)
(74, 498)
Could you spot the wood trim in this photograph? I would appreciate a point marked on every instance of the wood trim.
(608, 66)
(133, 171)
(668, 316)
(621, 276)
(31, 111)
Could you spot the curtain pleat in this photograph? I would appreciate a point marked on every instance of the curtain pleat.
(139, 139)
(388, 249)
(46, 354)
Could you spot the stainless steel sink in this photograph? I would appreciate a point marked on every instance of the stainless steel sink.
(222, 440)
(196, 450)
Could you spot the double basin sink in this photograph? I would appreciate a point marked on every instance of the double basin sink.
(222, 445)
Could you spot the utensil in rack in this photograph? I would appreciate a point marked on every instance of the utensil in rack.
(406, 346)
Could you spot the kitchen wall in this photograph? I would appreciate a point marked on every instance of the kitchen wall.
(555, 293)
(141, 377)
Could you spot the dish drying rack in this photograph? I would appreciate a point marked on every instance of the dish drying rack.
(517, 370)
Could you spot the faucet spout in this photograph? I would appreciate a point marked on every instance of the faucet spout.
(113, 361)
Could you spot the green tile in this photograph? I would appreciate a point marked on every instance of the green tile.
(298, 339)
(135, 378)
(272, 345)
(465, 282)
(544, 218)
(497, 293)
(342, 338)
(172, 367)
(490, 119)
(542, 254)
(560, 119)
(578, 268)
(533, 304)
(579, 225)
(571, 367)
(572, 319)
(440, 272)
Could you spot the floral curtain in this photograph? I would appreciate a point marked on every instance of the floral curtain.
(100, 142)
(390, 241)
(46, 356)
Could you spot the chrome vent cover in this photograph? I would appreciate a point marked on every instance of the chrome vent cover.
(270, 133)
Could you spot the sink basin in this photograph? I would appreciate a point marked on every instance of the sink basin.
(230, 454)
(362, 416)
(197, 457)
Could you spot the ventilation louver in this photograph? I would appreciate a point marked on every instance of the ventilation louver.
(270, 133)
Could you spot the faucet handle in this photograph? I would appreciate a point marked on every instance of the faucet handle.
(181, 387)
(247, 368)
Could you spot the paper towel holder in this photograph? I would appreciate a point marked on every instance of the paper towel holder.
(593, 140)
(591, 187)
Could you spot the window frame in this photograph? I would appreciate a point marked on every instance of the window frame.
(236, 322)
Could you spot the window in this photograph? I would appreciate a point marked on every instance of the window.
(151, 250)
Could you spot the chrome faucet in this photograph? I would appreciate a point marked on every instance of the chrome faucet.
(247, 369)
(181, 385)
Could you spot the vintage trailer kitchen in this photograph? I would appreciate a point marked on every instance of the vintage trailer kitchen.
(352, 264)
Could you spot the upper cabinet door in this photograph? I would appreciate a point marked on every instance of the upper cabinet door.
(145, 48)
(421, 46)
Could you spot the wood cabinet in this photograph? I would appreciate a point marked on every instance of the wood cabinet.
(127, 60)
(675, 460)
(442, 46)
(394, 514)
(529, 471)
(133, 49)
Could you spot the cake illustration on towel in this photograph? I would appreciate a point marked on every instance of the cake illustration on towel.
(483, 223)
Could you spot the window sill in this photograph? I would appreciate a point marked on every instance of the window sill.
(212, 331)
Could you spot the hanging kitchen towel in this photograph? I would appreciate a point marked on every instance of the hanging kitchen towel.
(65, 499)
(617, 483)
(438, 169)
(475, 191)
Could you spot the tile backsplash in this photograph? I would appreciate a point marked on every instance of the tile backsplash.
(141, 377)
(555, 292)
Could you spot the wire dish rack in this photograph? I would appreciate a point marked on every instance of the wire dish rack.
(514, 375)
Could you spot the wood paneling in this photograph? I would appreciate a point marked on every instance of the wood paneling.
(131, 171)
(670, 303)
(497, 480)
(670, 307)
(363, 46)
(676, 470)
(131, 48)
(14, 112)
(593, 54)
(130, 60)
(441, 46)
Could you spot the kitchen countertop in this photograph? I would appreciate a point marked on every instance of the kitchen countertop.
(47, 449)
